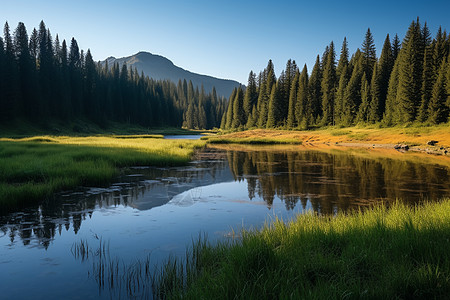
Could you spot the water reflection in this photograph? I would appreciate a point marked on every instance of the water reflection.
(326, 181)
(335, 180)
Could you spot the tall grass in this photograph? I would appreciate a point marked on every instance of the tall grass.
(401, 252)
(32, 169)
(113, 275)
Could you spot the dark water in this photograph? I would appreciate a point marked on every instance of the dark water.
(158, 211)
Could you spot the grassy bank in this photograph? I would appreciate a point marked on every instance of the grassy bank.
(34, 168)
(371, 135)
(251, 141)
(400, 252)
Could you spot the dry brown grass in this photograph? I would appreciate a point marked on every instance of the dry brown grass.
(388, 136)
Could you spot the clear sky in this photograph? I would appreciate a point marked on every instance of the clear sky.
(225, 39)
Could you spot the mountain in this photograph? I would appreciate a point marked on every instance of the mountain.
(159, 67)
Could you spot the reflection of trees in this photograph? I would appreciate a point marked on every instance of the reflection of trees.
(40, 224)
(337, 180)
(326, 181)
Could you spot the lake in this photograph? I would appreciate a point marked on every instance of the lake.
(157, 212)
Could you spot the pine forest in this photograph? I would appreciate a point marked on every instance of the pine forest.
(43, 79)
(409, 82)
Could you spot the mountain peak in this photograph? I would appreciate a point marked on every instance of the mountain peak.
(161, 68)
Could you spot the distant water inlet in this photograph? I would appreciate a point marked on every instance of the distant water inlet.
(103, 242)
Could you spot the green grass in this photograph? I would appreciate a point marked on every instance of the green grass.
(251, 141)
(396, 253)
(34, 168)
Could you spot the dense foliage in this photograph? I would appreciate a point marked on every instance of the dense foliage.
(407, 83)
(42, 79)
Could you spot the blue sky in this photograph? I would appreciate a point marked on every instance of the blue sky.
(225, 39)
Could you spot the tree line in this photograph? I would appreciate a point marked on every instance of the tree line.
(409, 82)
(42, 79)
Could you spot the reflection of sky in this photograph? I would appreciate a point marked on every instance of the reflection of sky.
(54, 273)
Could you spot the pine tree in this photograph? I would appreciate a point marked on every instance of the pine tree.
(328, 85)
(439, 50)
(272, 111)
(343, 59)
(340, 94)
(385, 65)
(428, 79)
(27, 78)
(369, 54)
(395, 47)
(410, 75)
(315, 90)
(438, 111)
(363, 111)
(238, 109)
(10, 77)
(390, 112)
(290, 123)
(2, 80)
(229, 115)
(263, 103)
(251, 94)
(352, 94)
(303, 111)
(376, 105)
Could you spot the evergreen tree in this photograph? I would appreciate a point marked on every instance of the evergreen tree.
(303, 110)
(10, 78)
(251, 94)
(328, 85)
(376, 105)
(385, 65)
(363, 111)
(439, 50)
(340, 94)
(343, 59)
(352, 94)
(396, 46)
(33, 46)
(272, 109)
(390, 113)
(438, 111)
(369, 54)
(428, 79)
(290, 123)
(410, 75)
(238, 109)
(27, 79)
(315, 90)
(229, 115)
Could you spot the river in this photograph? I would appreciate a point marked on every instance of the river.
(156, 212)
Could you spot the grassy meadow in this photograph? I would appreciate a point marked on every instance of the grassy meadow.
(34, 168)
(399, 252)
(410, 135)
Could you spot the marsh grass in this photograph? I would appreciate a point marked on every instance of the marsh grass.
(399, 252)
(32, 169)
(113, 275)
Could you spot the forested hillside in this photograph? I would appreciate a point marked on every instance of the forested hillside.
(160, 68)
(42, 79)
(409, 82)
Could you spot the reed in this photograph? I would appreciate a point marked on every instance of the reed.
(381, 253)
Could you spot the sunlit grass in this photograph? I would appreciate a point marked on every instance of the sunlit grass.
(396, 253)
(412, 134)
(34, 168)
(252, 140)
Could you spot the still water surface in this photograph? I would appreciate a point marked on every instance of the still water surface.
(158, 211)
